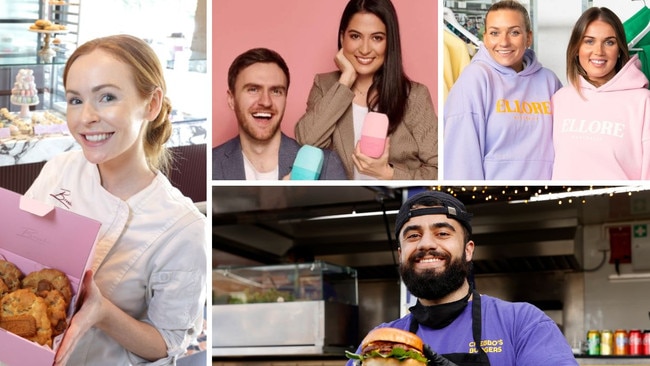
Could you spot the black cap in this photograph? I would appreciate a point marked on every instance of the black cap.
(437, 203)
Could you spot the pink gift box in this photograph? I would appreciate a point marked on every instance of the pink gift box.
(34, 236)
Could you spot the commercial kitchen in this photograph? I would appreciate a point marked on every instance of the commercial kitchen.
(578, 253)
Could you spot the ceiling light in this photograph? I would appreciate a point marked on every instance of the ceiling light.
(584, 193)
(353, 215)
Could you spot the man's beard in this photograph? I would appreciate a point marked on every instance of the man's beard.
(430, 285)
(256, 134)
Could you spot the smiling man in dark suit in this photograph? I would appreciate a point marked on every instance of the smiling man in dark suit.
(258, 82)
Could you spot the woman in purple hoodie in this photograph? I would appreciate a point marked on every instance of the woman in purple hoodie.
(602, 119)
(497, 118)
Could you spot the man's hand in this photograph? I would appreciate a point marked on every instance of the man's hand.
(435, 359)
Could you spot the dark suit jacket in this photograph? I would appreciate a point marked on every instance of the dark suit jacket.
(228, 161)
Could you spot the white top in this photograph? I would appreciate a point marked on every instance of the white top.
(150, 256)
(254, 174)
(359, 114)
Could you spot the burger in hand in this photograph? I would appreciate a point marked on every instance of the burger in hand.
(388, 347)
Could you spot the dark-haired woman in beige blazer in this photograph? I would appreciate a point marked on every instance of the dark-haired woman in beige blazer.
(371, 78)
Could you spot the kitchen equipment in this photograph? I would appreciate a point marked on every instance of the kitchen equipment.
(290, 309)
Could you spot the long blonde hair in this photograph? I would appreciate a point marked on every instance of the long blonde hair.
(148, 76)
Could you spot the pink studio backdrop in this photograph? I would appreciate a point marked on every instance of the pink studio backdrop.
(304, 32)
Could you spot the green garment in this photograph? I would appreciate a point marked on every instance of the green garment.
(633, 26)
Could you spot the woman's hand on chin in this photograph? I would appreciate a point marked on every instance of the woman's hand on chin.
(348, 73)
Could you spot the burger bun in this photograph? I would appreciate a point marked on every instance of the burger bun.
(393, 335)
(378, 361)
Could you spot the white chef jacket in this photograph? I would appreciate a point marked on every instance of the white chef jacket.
(150, 258)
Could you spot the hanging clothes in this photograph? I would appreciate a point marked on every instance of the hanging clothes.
(456, 57)
(460, 45)
(638, 24)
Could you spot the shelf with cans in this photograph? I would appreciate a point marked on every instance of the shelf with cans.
(620, 342)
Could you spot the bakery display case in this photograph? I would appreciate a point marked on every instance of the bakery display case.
(36, 38)
(289, 309)
(22, 41)
(47, 81)
(32, 113)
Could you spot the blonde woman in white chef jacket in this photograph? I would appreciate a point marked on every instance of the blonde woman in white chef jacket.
(145, 296)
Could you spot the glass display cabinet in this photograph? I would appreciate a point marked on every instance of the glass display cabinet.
(305, 308)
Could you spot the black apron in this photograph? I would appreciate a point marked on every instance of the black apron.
(466, 359)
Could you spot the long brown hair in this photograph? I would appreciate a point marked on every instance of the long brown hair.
(390, 81)
(148, 75)
(573, 68)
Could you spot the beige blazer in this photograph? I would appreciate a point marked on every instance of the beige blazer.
(328, 124)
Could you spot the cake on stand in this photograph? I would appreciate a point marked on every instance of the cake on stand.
(46, 52)
(24, 92)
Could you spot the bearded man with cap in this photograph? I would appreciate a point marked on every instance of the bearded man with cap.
(433, 230)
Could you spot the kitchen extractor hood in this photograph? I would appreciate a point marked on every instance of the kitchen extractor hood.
(530, 247)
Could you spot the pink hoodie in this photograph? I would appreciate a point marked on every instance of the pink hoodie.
(606, 134)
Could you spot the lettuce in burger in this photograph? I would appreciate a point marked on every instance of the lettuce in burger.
(388, 347)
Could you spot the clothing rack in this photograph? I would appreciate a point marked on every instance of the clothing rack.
(636, 39)
(637, 27)
(450, 19)
(640, 35)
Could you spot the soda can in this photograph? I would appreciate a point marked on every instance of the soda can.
(636, 342)
(646, 342)
(621, 346)
(593, 343)
(606, 342)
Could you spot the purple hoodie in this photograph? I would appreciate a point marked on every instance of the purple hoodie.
(498, 123)
(606, 134)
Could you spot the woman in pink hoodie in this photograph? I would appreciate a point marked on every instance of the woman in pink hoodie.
(601, 120)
